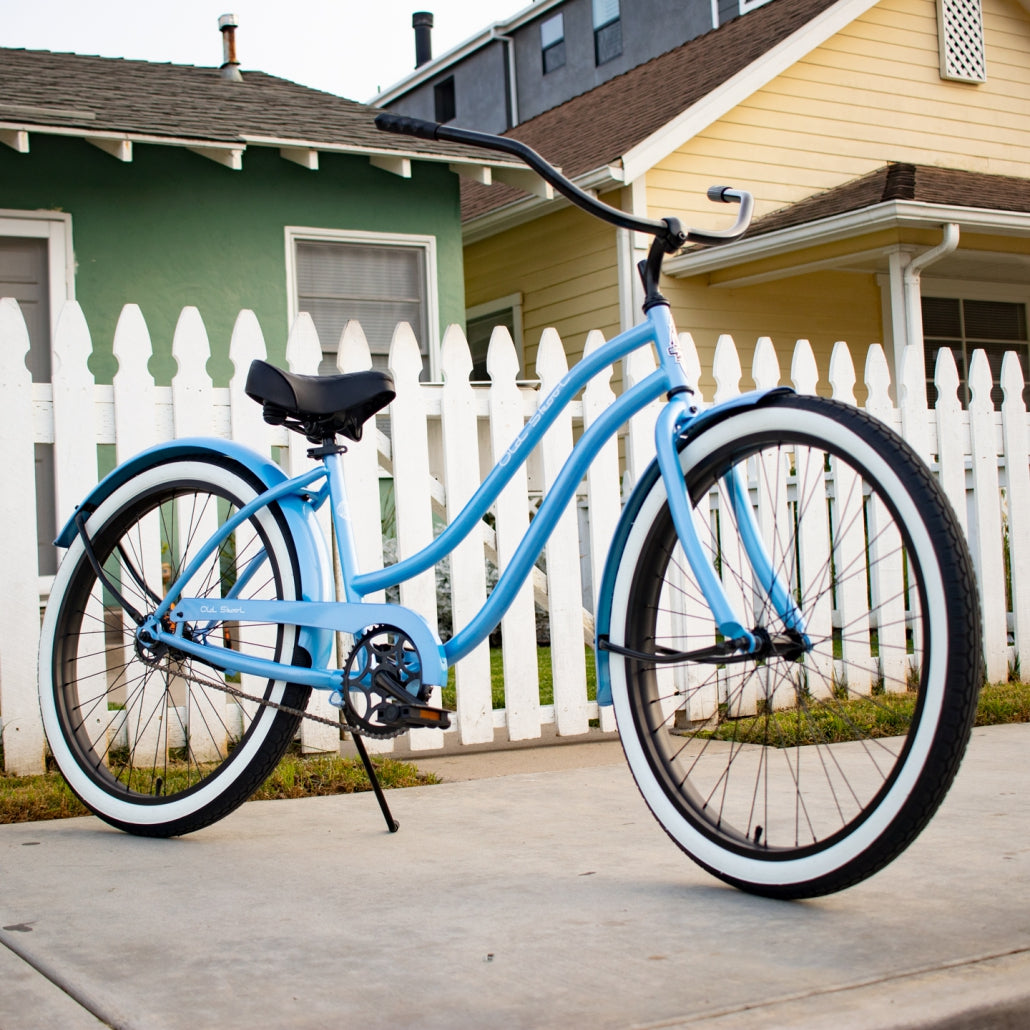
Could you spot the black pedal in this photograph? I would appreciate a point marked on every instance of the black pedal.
(417, 716)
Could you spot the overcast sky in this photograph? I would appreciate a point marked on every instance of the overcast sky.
(350, 47)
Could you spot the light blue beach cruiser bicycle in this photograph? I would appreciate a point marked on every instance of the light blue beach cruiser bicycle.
(787, 625)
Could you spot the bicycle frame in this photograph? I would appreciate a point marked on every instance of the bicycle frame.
(353, 615)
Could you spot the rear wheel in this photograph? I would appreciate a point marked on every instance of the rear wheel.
(149, 738)
(799, 771)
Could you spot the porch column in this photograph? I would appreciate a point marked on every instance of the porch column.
(906, 309)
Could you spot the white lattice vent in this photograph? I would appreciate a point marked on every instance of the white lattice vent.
(960, 30)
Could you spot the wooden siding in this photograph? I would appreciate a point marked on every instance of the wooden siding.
(564, 266)
(870, 95)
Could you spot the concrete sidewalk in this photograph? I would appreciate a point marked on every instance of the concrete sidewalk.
(531, 899)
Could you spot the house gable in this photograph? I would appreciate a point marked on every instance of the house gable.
(851, 102)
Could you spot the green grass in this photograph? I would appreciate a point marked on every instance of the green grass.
(30, 798)
(543, 664)
(886, 715)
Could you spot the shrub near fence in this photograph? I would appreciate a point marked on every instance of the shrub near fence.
(439, 440)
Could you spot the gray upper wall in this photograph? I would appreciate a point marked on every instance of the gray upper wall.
(482, 81)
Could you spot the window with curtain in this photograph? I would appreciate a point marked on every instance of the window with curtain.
(552, 42)
(377, 284)
(966, 325)
(607, 31)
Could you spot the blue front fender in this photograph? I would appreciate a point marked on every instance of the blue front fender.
(697, 425)
(312, 556)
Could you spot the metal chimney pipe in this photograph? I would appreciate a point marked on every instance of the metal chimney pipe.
(227, 25)
(422, 23)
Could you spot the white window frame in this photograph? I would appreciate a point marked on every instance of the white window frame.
(966, 289)
(56, 228)
(513, 303)
(302, 234)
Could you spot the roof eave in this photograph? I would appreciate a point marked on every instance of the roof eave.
(890, 214)
(239, 144)
(526, 209)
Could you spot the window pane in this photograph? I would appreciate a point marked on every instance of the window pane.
(377, 285)
(966, 326)
(478, 332)
(942, 316)
(444, 100)
(605, 11)
(995, 320)
(552, 31)
(554, 57)
(608, 42)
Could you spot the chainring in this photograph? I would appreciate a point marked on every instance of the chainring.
(383, 672)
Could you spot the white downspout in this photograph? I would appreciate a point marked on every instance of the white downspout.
(913, 299)
(513, 93)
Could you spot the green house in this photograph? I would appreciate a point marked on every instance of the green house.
(172, 185)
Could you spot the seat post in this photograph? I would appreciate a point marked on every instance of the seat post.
(331, 454)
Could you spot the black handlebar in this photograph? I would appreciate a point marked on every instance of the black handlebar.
(668, 231)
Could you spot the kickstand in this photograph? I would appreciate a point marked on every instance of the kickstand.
(391, 823)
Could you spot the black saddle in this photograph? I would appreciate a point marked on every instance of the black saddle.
(319, 406)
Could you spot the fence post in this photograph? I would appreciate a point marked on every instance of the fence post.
(135, 428)
(952, 446)
(75, 436)
(602, 487)
(135, 396)
(637, 366)
(412, 490)
(19, 707)
(912, 402)
(849, 544)
(985, 541)
(303, 356)
(192, 407)
(1017, 502)
(564, 585)
(245, 418)
(518, 625)
(468, 580)
(877, 381)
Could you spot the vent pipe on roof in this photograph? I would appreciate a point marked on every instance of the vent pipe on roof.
(422, 23)
(230, 69)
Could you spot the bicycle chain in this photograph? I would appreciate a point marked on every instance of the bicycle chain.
(244, 696)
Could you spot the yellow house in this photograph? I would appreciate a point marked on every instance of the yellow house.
(887, 143)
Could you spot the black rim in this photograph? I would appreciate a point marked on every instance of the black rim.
(110, 775)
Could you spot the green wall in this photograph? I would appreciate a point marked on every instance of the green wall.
(171, 228)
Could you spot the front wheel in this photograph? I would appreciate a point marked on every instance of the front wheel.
(153, 740)
(804, 770)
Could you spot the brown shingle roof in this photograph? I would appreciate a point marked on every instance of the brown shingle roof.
(920, 183)
(598, 127)
(102, 94)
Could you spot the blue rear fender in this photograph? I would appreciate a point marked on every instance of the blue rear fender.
(651, 475)
(313, 559)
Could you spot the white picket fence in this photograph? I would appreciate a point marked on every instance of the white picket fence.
(439, 440)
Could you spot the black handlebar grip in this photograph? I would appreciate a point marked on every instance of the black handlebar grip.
(407, 126)
(718, 193)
